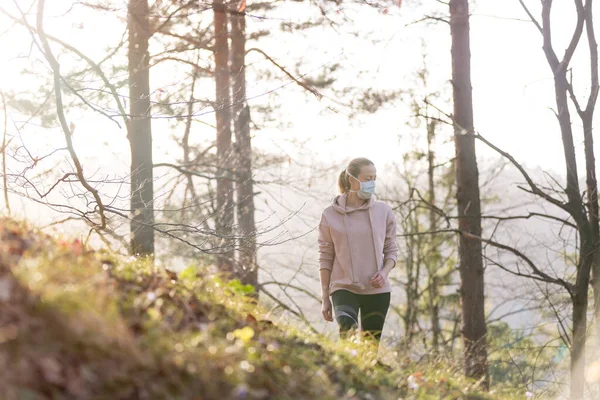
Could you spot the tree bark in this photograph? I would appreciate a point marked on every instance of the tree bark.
(590, 160)
(580, 305)
(139, 130)
(225, 207)
(432, 269)
(468, 198)
(592, 194)
(241, 121)
(407, 316)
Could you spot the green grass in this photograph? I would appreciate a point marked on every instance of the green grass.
(87, 324)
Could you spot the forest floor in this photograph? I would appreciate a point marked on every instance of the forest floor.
(78, 323)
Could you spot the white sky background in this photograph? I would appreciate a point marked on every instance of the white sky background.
(512, 84)
(511, 80)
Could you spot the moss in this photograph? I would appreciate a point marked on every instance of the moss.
(93, 325)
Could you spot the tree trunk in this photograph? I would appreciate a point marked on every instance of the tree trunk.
(241, 122)
(580, 304)
(579, 298)
(590, 161)
(469, 208)
(139, 130)
(411, 283)
(225, 208)
(432, 266)
(592, 194)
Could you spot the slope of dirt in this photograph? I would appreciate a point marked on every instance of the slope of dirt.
(77, 323)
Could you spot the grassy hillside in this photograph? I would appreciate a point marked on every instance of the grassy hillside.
(85, 324)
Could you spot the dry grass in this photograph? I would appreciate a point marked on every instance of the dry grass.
(78, 323)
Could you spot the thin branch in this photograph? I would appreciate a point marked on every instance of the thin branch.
(4, 146)
(95, 67)
(188, 172)
(576, 34)
(534, 188)
(428, 18)
(546, 278)
(593, 47)
(47, 51)
(531, 17)
(311, 89)
(286, 307)
(540, 275)
(531, 215)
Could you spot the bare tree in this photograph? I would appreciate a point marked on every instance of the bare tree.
(468, 198)
(584, 214)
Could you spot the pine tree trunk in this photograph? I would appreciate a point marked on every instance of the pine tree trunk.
(139, 130)
(468, 199)
(241, 123)
(225, 207)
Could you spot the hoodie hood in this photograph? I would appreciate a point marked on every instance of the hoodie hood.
(339, 204)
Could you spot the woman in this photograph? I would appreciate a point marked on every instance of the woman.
(357, 246)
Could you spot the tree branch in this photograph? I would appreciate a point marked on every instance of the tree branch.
(55, 66)
(540, 275)
(534, 188)
(311, 89)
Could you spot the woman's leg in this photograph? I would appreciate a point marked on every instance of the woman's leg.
(345, 306)
(373, 309)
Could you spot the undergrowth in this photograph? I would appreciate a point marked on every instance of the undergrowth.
(87, 324)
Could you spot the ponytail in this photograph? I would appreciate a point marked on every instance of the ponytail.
(343, 182)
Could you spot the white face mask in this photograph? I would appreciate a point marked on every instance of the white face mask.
(367, 189)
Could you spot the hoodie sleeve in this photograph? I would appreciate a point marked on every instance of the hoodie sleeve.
(390, 248)
(326, 249)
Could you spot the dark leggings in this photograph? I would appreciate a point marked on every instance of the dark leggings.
(373, 309)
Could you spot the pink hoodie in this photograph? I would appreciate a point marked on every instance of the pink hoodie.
(354, 242)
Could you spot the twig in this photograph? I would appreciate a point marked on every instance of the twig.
(4, 145)
(47, 51)
(534, 188)
(311, 89)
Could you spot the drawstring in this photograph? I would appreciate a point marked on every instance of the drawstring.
(373, 237)
(349, 246)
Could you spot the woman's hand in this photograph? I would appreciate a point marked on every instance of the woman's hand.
(378, 280)
(327, 309)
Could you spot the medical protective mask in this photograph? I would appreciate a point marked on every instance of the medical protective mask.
(367, 189)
